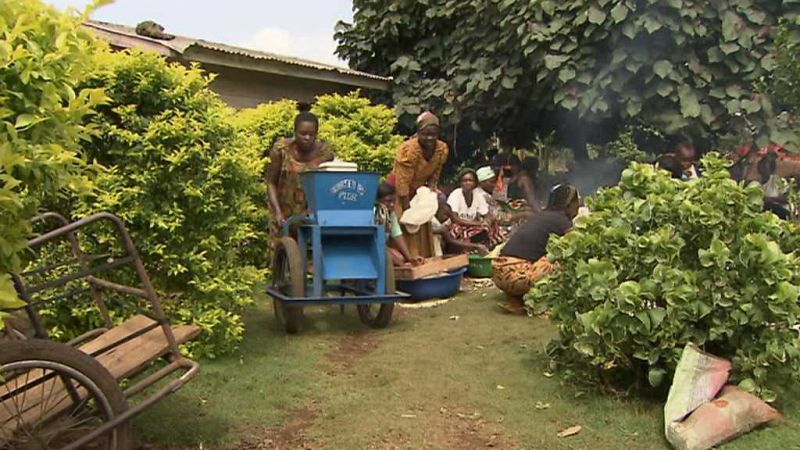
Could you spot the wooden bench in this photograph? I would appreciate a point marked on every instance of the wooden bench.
(122, 361)
(431, 266)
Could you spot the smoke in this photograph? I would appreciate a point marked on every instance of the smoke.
(591, 175)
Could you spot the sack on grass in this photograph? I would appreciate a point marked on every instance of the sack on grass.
(698, 378)
(733, 413)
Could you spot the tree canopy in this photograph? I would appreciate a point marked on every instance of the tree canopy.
(524, 67)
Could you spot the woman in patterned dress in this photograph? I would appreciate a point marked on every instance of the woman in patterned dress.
(290, 157)
(418, 163)
(523, 260)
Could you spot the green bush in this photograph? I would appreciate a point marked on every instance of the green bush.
(356, 130)
(179, 176)
(263, 125)
(43, 56)
(359, 132)
(624, 147)
(660, 263)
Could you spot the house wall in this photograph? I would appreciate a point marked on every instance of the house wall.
(244, 89)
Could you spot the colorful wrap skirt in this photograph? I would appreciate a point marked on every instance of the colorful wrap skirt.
(516, 276)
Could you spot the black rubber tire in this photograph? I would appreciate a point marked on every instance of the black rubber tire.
(288, 274)
(380, 315)
(19, 351)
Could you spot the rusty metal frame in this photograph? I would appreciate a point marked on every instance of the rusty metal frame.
(176, 361)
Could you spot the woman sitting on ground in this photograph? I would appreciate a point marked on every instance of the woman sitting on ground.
(445, 241)
(505, 220)
(385, 215)
(471, 220)
(516, 184)
(523, 260)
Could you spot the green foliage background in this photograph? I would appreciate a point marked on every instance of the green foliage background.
(662, 262)
(356, 130)
(575, 66)
(43, 57)
(184, 186)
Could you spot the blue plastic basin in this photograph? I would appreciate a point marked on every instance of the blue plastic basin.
(443, 286)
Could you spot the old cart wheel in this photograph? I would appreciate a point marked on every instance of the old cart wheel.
(379, 315)
(289, 277)
(53, 395)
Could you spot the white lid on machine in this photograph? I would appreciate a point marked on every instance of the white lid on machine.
(338, 166)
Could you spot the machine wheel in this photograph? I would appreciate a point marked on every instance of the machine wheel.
(379, 315)
(288, 276)
(55, 394)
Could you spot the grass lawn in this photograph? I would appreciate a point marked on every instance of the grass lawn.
(460, 375)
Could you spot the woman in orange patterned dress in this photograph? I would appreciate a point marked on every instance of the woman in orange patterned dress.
(419, 162)
(289, 158)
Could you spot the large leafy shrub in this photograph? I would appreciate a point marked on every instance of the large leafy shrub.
(660, 263)
(186, 188)
(605, 61)
(356, 130)
(43, 56)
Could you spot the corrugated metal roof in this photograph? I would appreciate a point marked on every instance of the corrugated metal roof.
(181, 43)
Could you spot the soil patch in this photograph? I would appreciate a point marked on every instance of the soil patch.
(290, 435)
(471, 431)
(351, 349)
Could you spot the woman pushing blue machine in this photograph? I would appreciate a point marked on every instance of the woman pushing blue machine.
(349, 262)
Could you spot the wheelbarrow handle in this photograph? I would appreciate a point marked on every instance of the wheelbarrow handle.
(291, 221)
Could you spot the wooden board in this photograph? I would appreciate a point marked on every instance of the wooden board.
(117, 333)
(122, 362)
(432, 266)
(135, 355)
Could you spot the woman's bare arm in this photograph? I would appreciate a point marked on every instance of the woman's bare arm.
(273, 178)
(529, 190)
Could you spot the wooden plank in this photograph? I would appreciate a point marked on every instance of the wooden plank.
(110, 337)
(117, 333)
(432, 266)
(135, 355)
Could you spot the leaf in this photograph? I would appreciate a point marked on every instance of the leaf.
(731, 24)
(508, 82)
(664, 88)
(24, 120)
(553, 62)
(769, 63)
(596, 15)
(655, 376)
(715, 55)
(569, 103)
(690, 105)
(619, 12)
(748, 385)
(734, 91)
(8, 295)
(652, 24)
(571, 431)
(729, 48)
(662, 68)
(566, 74)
